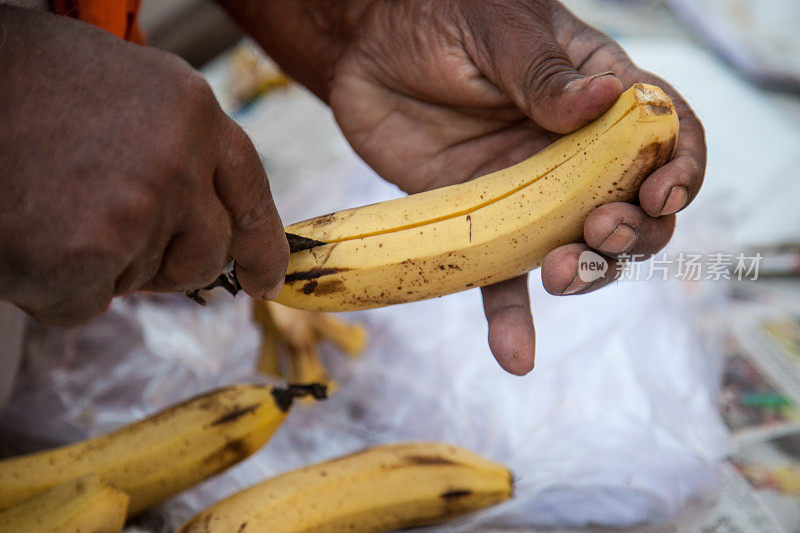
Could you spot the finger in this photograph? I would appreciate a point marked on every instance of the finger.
(673, 186)
(72, 313)
(561, 275)
(621, 228)
(197, 254)
(85, 297)
(527, 62)
(144, 266)
(258, 243)
(511, 333)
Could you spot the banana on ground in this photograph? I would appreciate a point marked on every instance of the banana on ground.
(379, 489)
(486, 230)
(164, 454)
(82, 505)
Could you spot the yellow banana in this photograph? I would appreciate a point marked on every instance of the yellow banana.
(164, 454)
(82, 505)
(380, 489)
(485, 230)
(349, 338)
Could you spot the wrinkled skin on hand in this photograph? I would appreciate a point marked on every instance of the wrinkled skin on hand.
(120, 172)
(434, 93)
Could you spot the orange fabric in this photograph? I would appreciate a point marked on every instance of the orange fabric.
(114, 16)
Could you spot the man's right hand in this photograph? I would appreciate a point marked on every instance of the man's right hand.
(119, 171)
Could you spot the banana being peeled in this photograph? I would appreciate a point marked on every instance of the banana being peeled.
(485, 230)
(82, 505)
(164, 454)
(380, 489)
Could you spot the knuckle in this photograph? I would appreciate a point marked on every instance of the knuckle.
(171, 161)
(583, 35)
(196, 99)
(254, 216)
(135, 211)
(187, 82)
(194, 87)
(243, 153)
(180, 86)
(189, 113)
(175, 160)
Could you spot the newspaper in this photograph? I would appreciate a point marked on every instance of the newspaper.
(740, 509)
(760, 403)
(753, 401)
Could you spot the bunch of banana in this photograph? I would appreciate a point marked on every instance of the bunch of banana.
(485, 230)
(290, 339)
(164, 454)
(82, 505)
(380, 489)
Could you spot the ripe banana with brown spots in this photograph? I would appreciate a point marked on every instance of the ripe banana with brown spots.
(485, 230)
(380, 489)
(164, 454)
(82, 505)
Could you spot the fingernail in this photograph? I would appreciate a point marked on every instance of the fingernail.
(620, 240)
(575, 285)
(581, 83)
(273, 292)
(677, 198)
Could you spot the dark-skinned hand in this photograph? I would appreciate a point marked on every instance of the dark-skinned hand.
(120, 172)
(435, 92)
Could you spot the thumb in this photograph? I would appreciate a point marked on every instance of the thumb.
(534, 70)
(258, 242)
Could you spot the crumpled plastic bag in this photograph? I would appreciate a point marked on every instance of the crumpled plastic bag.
(145, 352)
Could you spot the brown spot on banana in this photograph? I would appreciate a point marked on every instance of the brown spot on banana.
(660, 109)
(235, 414)
(309, 287)
(427, 460)
(329, 287)
(231, 453)
(321, 221)
(314, 273)
(455, 494)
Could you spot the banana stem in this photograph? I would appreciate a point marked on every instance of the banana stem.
(285, 397)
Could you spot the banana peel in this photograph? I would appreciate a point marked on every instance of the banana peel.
(291, 337)
(384, 488)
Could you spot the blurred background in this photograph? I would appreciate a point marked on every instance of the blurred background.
(666, 402)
